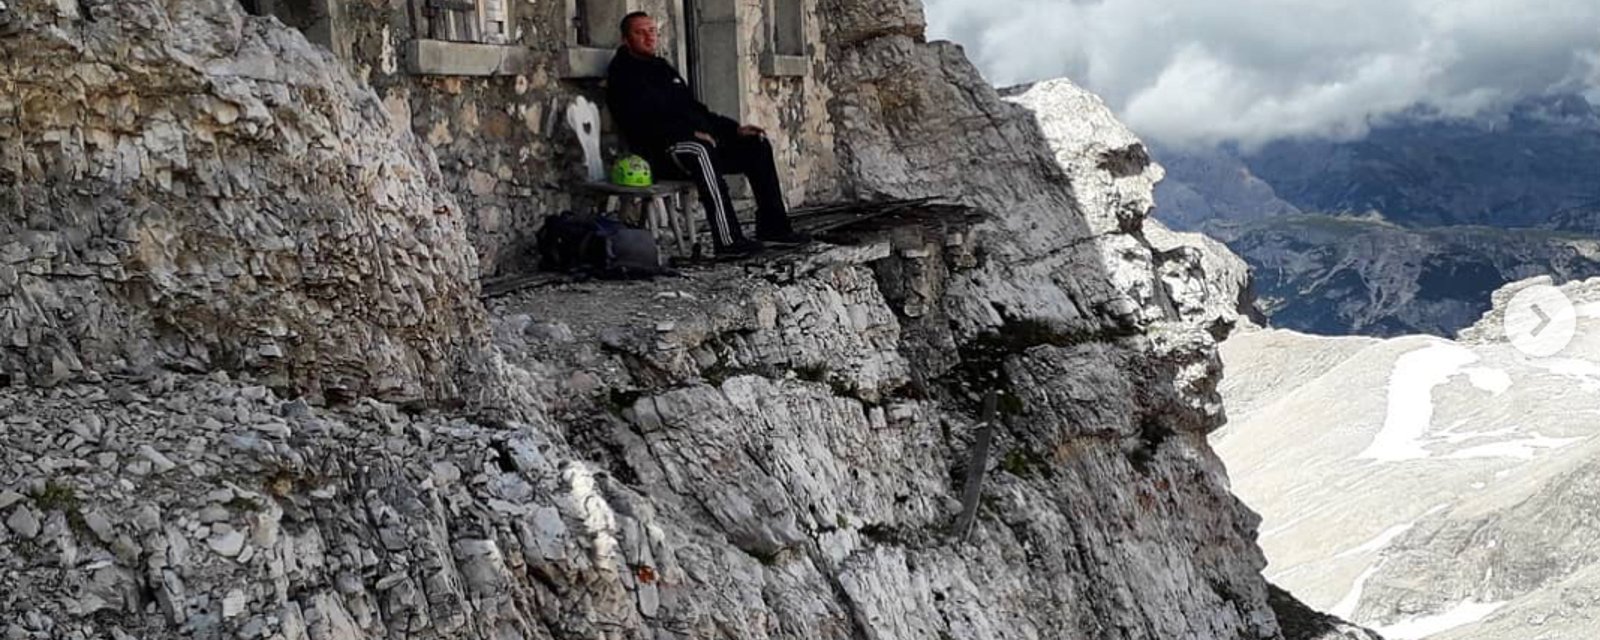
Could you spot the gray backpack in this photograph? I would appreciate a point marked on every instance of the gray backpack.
(598, 247)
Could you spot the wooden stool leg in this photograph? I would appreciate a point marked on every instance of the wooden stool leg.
(691, 220)
(611, 204)
(653, 218)
(659, 223)
(674, 205)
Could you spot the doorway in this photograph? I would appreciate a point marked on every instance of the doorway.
(314, 18)
(300, 14)
(711, 48)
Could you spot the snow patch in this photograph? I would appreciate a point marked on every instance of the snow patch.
(1583, 372)
(1411, 385)
(1494, 381)
(1465, 613)
(1280, 576)
(1380, 541)
(1405, 433)
(1284, 527)
(1524, 449)
(1347, 606)
(1454, 435)
(1571, 367)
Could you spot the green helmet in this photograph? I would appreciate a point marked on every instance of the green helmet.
(631, 171)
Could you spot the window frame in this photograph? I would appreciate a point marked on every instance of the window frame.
(581, 56)
(469, 21)
(475, 39)
(784, 20)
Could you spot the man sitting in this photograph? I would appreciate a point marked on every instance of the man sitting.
(662, 121)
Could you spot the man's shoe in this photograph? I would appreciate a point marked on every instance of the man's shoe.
(740, 248)
(787, 237)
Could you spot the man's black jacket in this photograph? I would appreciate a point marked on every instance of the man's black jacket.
(655, 108)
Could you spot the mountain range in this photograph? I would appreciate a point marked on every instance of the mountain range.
(1408, 229)
(1339, 275)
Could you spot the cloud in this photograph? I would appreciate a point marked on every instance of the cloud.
(1193, 72)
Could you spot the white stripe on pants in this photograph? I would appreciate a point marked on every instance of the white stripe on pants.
(708, 173)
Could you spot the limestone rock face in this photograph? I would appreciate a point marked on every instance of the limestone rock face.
(1114, 180)
(191, 187)
(1301, 622)
(1207, 282)
(767, 451)
(1583, 294)
(1117, 387)
(1111, 171)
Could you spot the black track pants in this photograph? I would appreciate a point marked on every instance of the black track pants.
(748, 155)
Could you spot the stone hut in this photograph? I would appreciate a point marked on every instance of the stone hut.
(485, 83)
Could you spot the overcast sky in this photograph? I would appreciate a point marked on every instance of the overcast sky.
(1202, 71)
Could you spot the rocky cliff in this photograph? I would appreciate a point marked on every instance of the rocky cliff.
(191, 188)
(1426, 487)
(253, 392)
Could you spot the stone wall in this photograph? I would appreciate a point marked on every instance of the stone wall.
(501, 141)
(497, 146)
(794, 109)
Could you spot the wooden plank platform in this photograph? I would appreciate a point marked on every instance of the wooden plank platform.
(504, 285)
(836, 219)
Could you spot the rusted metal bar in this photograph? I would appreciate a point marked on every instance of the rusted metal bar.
(977, 463)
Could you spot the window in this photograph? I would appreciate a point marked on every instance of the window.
(482, 21)
(299, 14)
(592, 36)
(594, 23)
(785, 54)
(787, 19)
(465, 38)
(314, 18)
(496, 20)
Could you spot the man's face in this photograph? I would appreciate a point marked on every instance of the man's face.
(641, 37)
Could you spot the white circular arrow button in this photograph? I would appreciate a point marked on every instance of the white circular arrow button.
(1541, 321)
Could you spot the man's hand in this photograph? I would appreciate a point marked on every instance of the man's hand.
(750, 130)
(706, 137)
